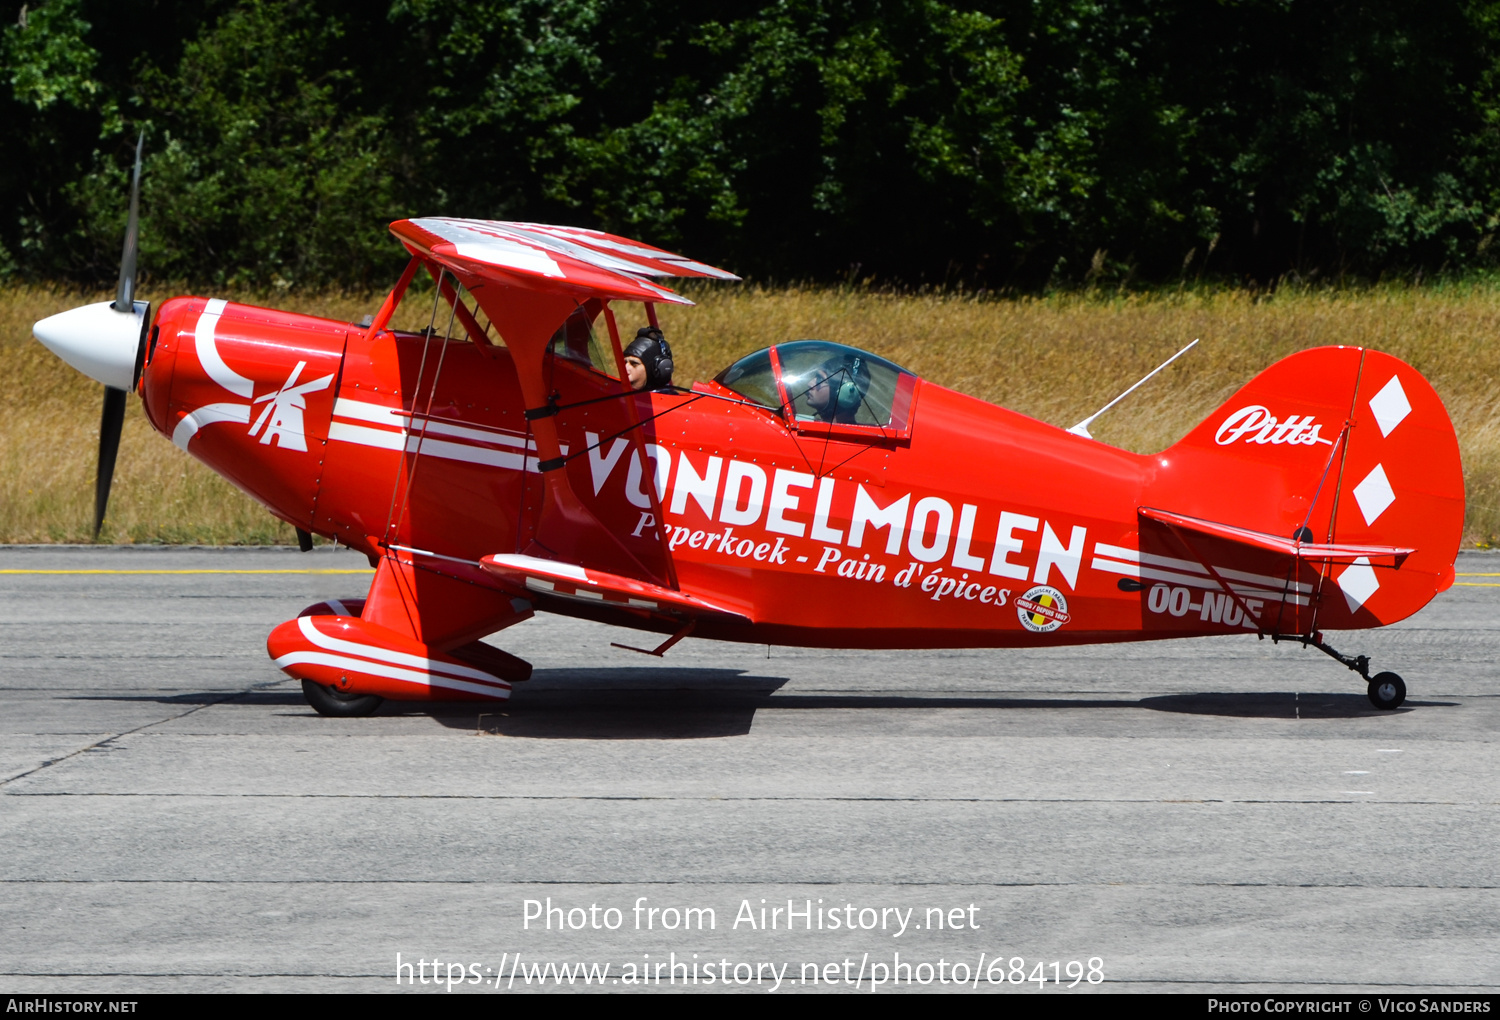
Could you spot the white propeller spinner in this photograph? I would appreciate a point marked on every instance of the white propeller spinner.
(97, 340)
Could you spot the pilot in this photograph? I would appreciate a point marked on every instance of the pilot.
(837, 388)
(648, 360)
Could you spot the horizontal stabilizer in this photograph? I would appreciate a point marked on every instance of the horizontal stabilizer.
(1375, 555)
(570, 581)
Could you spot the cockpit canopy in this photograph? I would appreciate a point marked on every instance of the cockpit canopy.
(826, 384)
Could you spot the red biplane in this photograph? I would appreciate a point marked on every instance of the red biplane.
(498, 463)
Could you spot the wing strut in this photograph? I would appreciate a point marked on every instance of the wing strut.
(1180, 526)
(1181, 536)
(660, 649)
(557, 462)
(409, 474)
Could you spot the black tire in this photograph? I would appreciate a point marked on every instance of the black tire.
(1387, 691)
(327, 701)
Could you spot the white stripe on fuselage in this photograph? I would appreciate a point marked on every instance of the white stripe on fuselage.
(190, 423)
(397, 436)
(208, 352)
(395, 418)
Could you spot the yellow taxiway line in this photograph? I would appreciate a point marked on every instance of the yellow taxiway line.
(321, 571)
(366, 570)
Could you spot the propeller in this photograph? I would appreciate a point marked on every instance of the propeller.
(110, 427)
(125, 290)
(106, 341)
(112, 422)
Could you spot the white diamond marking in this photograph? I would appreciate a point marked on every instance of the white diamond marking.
(1358, 583)
(1390, 406)
(1374, 494)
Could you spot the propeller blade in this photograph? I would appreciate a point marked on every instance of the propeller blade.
(125, 292)
(110, 427)
(112, 421)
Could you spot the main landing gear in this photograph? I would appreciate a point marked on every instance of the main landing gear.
(327, 701)
(1386, 690)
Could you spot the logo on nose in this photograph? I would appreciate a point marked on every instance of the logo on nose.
(282, 418)
(284, 411)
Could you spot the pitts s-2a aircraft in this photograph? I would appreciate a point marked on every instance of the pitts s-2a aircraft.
(498, 463)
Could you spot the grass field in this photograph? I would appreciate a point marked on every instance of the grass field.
(1056, 358)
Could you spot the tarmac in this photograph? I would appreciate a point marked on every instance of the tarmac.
(1210, 815)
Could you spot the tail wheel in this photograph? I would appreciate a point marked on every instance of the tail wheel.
(1387, 691)
(327, 701)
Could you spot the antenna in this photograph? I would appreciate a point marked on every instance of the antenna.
(1082, 428)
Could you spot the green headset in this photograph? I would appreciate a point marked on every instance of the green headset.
(849, 393)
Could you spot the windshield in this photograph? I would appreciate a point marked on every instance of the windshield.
(751, 377)
(824, 381)
(830, 382)
(576, 341)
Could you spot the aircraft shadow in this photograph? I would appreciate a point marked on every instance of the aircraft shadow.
(256, 697)
(1280, 705)
(626, 703)
(657, 705)
(661, 703)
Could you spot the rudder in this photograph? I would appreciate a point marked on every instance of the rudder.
(1354, 446)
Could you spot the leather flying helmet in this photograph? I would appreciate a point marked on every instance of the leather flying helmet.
(655, 353)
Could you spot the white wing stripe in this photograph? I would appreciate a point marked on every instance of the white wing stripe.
(1273, 593)
(482, 243)
(586, 253)
(1101, 550)
(519, 561)
(595, 239)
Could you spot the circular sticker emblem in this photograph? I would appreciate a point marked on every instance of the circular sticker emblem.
(1042, 609)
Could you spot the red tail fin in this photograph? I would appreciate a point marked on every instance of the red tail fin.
(1332, 446)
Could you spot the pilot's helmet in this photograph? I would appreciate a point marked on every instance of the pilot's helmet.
(655, 353)
(849, 380)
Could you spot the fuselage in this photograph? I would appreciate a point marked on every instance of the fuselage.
(979, 527)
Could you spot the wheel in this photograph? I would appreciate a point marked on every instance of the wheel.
(1387, 691)
(327, 701)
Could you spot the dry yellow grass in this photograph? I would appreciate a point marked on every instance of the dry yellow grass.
(1061, 358)
(1056, 358)
(50, 438)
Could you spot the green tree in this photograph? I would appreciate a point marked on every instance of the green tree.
(1002, 143)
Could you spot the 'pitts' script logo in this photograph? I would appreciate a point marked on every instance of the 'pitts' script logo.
(1255, 424)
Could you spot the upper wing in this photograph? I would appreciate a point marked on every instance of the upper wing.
(539, 256)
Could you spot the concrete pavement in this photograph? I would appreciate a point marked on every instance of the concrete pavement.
(1199, 815)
